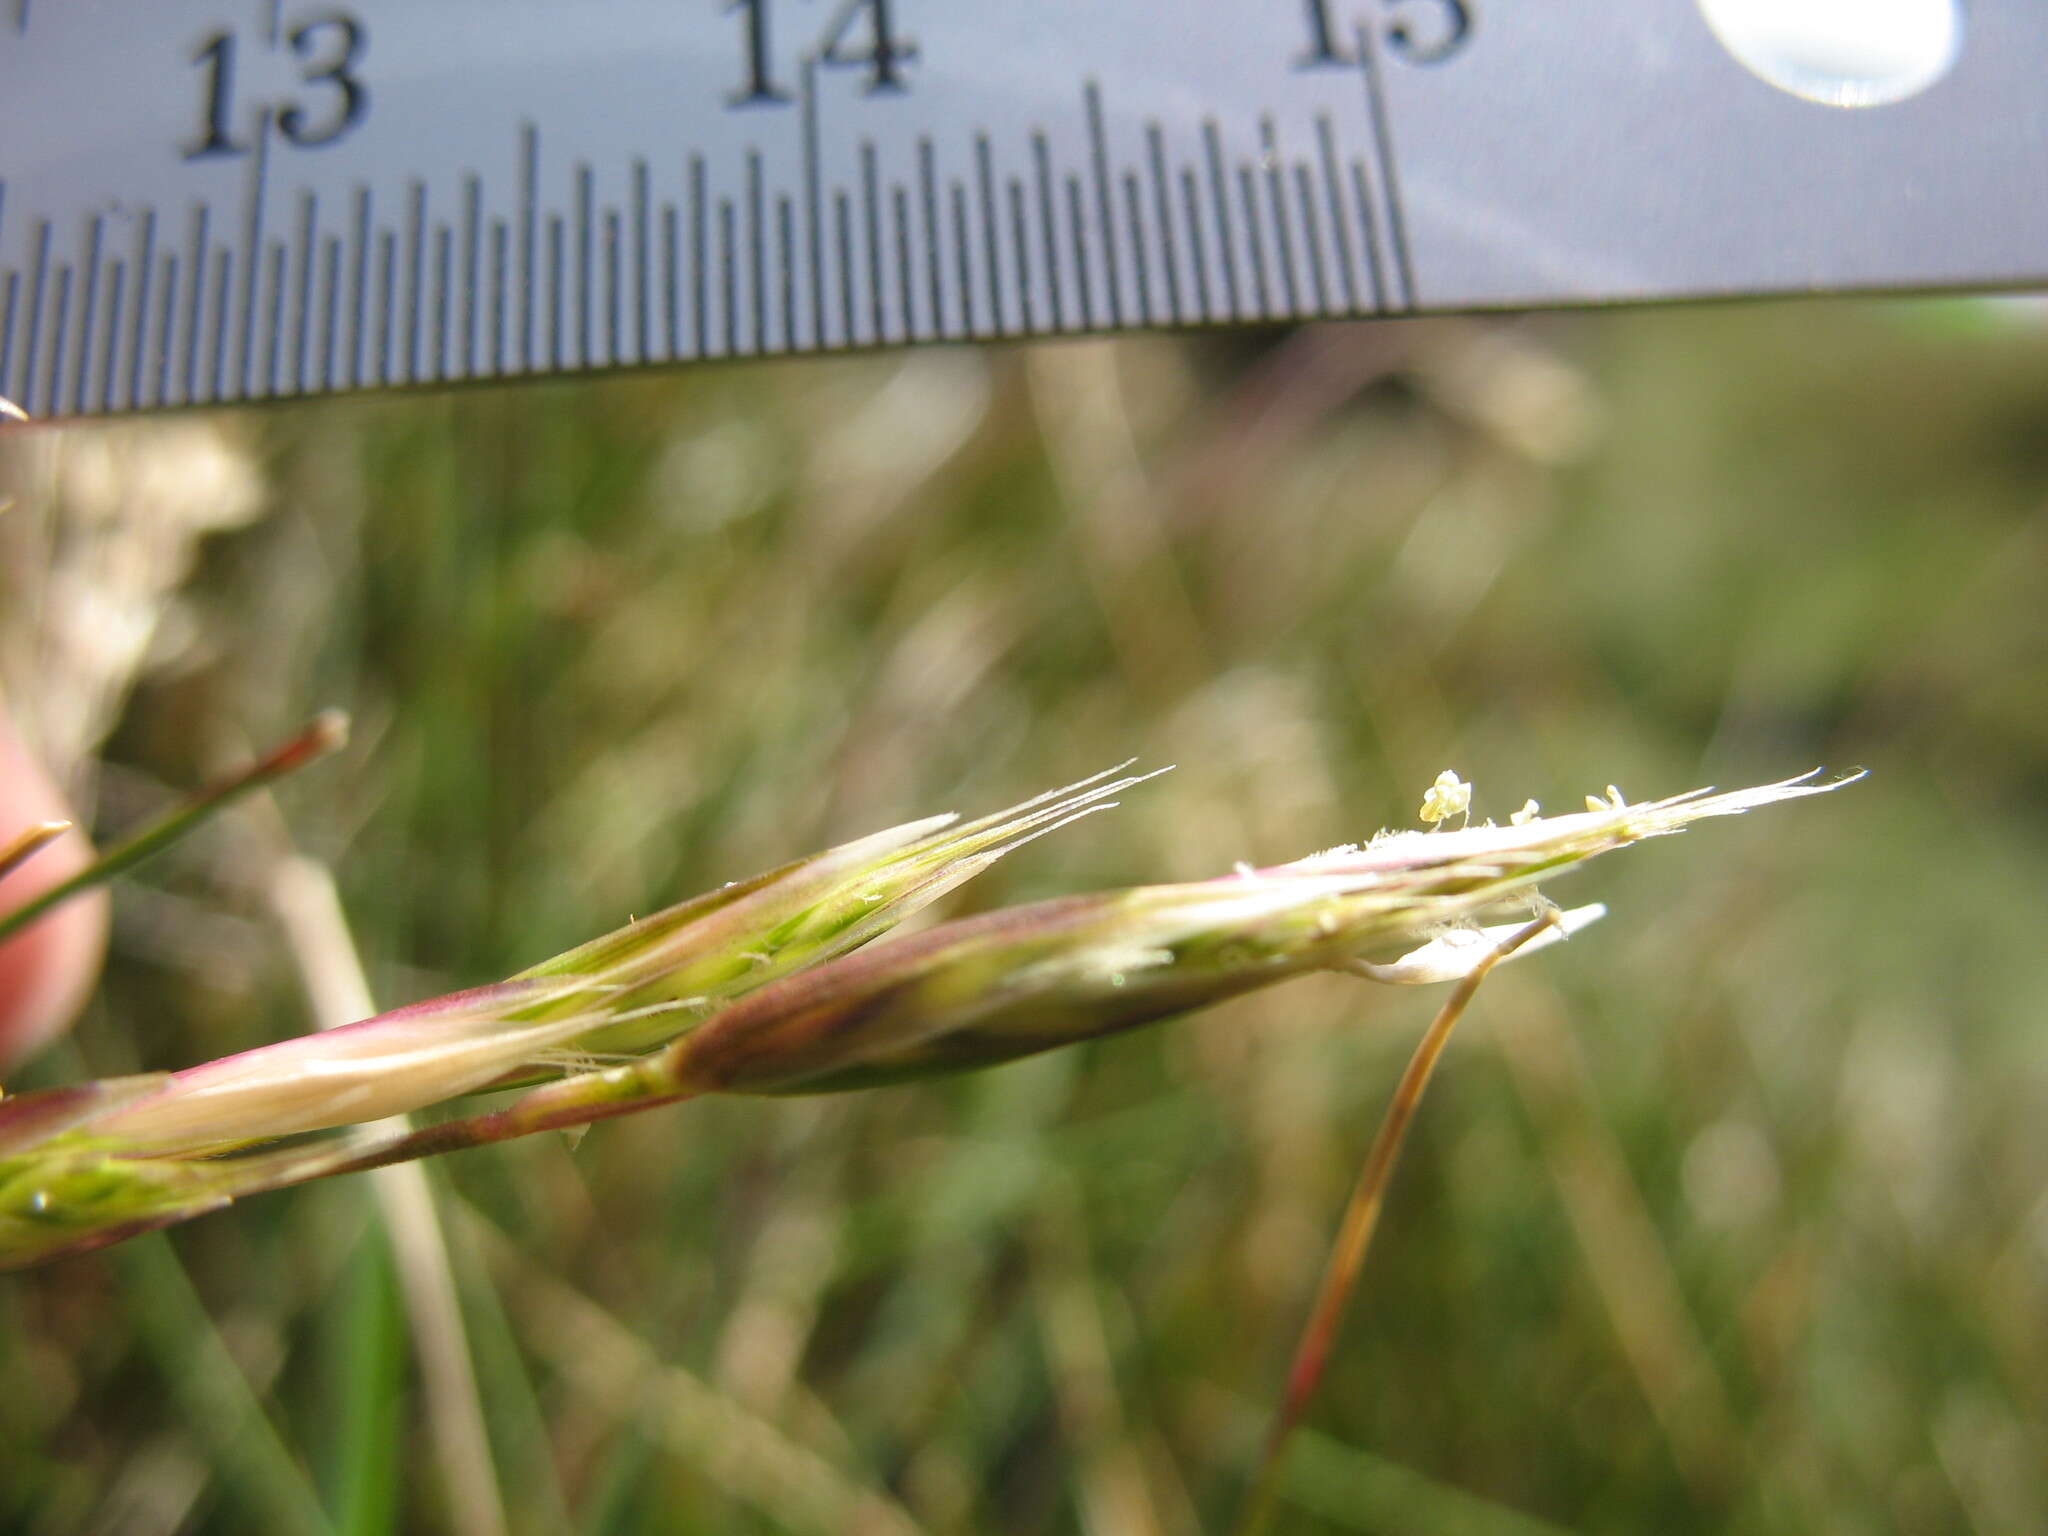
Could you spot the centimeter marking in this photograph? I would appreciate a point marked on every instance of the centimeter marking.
(307, 298)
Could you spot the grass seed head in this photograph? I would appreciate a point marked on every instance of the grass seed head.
(90, 1164)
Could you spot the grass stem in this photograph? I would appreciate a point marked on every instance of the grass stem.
(1354, 1237)
(325, 733)
(302, 892)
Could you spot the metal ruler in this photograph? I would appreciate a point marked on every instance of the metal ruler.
(221, 200)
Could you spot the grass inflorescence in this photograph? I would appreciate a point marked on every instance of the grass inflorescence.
(756, 988)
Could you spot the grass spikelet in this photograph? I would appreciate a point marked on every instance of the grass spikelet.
(389, 1065)
(708, 950)
(1029, 979)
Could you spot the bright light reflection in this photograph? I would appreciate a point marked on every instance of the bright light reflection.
(1842, 53)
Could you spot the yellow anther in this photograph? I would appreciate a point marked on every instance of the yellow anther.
(1447, 797)
(1529, 812)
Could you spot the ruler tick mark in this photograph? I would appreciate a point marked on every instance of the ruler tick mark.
(500, 243)
(699, 346)
(1041, 163)
(1248, 189)
(965, 266)
(785, 237)
(584, 216)
(556, 277)
(928, 195)
(1369, 233)
(613, 290)
(1020, 231)
(52, 397)
(1276, 201)
(1312, 239)
(899, 200)
(252, 262)
(7, 335)
(1098, 145)
(1382, 138)
(991, 239)
(387, 279)
(472, 266)
(195, 275)
(814, 209)
(1333, 202)
(642, 345)
(110, 344)
(871, 223)
(1162, 202)
(88, 304)
(529, 216)
(167, 300)
(330, 309)
(444, 303)
(842, 229)
(359, 288)
(728, 277)
(1135, 212)
(303, 310)
(1198, 260)
(415, 278)
(138, 345)
(217, 378)
(757, 250)
(274, 321)
(1077, 226)
(670, 288)
(1219, 197)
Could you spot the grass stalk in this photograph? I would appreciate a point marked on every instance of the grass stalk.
(325, 733)
(302, 892)
(796, 1483)
(1354, 1236)
(215, 1395)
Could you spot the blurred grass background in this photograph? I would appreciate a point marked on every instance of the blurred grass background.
(1729, 1217)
